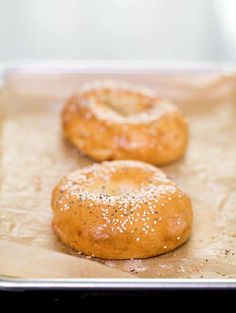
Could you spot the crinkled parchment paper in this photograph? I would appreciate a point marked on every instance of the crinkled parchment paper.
(34, 156)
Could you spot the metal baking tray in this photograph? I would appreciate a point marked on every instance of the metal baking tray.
(136, 68)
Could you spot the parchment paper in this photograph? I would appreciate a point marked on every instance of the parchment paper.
(34, 156)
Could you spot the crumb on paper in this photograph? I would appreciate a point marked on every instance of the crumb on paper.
(37, 183)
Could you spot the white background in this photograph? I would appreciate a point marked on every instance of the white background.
(118, 29)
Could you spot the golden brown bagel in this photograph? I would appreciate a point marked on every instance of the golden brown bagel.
(121, 210)
(116, 123)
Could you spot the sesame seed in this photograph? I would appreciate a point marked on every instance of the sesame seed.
(178, 238)
(137, 239)
(164, 247)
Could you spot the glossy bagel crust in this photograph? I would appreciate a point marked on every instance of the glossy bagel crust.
(121, 210)
(118, 123)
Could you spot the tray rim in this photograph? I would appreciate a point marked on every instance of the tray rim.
(117, 66)
(109, 66)
(117, 283)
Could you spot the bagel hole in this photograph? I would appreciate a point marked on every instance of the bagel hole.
(122, 182)
(123, 102)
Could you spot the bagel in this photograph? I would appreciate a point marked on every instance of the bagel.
(121, 210)
(120, 123)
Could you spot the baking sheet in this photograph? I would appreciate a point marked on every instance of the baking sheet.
(34, 156)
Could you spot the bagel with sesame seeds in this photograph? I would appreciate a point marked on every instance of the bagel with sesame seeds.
(117, 122)
(120, 210)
